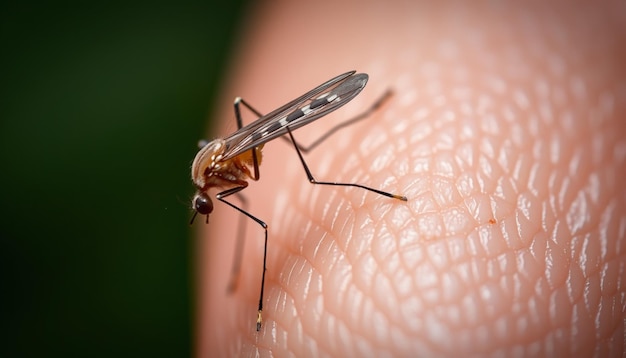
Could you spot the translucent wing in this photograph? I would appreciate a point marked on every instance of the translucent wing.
(312, 105)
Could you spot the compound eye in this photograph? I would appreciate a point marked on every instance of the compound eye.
(203, 205)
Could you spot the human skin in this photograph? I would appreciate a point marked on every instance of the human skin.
(506, 134)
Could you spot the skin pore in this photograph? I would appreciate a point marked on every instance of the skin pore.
(505, 132)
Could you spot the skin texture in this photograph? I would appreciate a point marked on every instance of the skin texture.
(506, 133)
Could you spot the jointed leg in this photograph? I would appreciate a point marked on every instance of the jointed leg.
(220, 197)
(314, 181)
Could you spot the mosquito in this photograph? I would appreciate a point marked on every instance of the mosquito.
(228, 163)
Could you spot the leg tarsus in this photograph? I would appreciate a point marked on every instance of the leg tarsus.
(314, 181)
(220, 197)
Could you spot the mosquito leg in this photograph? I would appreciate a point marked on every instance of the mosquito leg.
(239, 101)
(220, 197)
(239, 120)
(314, 181)
(373, 107)
(255, 162)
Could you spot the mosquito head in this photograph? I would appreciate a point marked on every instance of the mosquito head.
(203, 205)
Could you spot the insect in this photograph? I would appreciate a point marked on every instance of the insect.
(228, 163)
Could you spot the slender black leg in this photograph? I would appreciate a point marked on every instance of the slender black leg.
(241, 230)
(220, 197)
(239, 120)
(239, 101)
(314, 181)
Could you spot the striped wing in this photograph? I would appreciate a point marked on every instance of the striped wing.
(312, 105)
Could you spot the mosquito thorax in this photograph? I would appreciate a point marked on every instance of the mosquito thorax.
(205, 161)
(202, 204)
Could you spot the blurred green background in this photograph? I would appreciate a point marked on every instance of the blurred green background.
(102, 106)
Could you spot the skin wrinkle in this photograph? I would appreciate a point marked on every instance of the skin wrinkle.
(504, 134)
(333, 224)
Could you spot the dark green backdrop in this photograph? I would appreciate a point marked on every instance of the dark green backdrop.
(101, 109)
